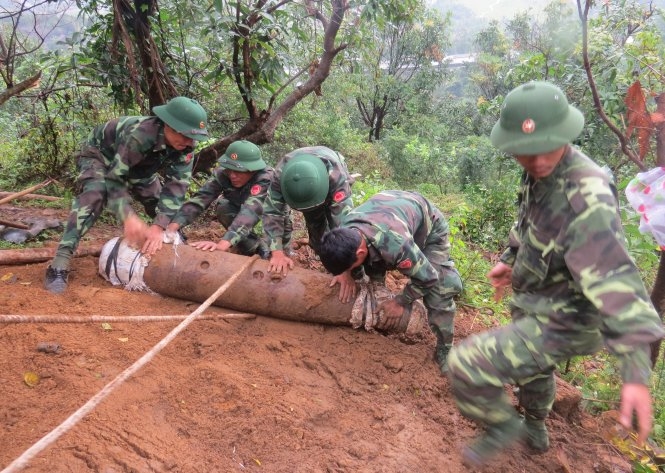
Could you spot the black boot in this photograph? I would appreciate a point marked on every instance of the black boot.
(439, 321)
(536, 434)
(495, 439)
(55, 280)
(441, 355)
(443, 345)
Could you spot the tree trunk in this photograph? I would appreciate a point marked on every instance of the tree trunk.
(658, 301)
(37, 255)
(158, 84)
(261, 129)
(658, 290)
(132, 28)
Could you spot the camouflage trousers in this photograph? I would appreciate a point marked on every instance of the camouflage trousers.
(482, 364)
(439, 301)
(91, 199)
(227, 211)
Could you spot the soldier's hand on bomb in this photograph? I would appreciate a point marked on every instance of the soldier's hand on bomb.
(280, 263)
(347, 286)
(135, 231)
(154, 238)
(223, 245)
(390, 314)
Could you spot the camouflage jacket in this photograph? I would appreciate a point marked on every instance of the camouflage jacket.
(249, 198)
(397, 226)
(134, 148)
(338, 202)
(571, 269)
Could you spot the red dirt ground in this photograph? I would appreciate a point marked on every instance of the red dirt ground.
(260, 395)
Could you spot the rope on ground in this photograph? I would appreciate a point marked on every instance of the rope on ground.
(22, 461)
(59, 319)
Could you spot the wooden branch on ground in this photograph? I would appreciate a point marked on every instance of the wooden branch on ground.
(48, 198)
(25, 191)
(37, 255)
(7, 223)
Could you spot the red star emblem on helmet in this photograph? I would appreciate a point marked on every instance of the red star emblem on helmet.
(406, 264)
(255, 189)
(234, 156)
(528, 126)
(339, 196)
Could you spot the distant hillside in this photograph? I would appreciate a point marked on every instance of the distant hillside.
(486, 10)
(471, 16)
(51, 22)
(500, 9)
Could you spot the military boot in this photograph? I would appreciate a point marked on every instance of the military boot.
(55, 280)
(441, 355)
(536, 434)
(441, 326)
(496, 438)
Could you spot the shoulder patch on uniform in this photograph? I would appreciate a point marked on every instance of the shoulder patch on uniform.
(339, 196)
(406, 264)
(255, 190)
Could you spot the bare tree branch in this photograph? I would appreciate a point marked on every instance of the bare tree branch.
(623, 140)
(658, 291)
(26, 84)
(260, 127)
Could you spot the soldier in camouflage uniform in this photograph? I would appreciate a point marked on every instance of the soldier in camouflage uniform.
(242, 180)
(403, 231)
(120, 159)
(574, 284)
(315, 181)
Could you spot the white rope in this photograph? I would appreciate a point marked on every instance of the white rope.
(22, 461)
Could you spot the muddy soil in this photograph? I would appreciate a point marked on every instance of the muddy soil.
(261, 395)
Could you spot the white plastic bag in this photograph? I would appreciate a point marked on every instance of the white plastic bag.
(646, 194)
(122, 265)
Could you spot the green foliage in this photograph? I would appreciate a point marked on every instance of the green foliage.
(473, 264)
(327, 122)
(642, 247)
(487, 215)
(366, 187)
(598, 379)
(658, 394)
(45, 141)
(488, 74)
(399, 65)
(415, 160)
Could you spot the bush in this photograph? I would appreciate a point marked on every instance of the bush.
(487, 215)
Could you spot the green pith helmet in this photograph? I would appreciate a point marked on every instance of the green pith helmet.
(304, 182)
(535, 119)
(186, 116)
(242, 156)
